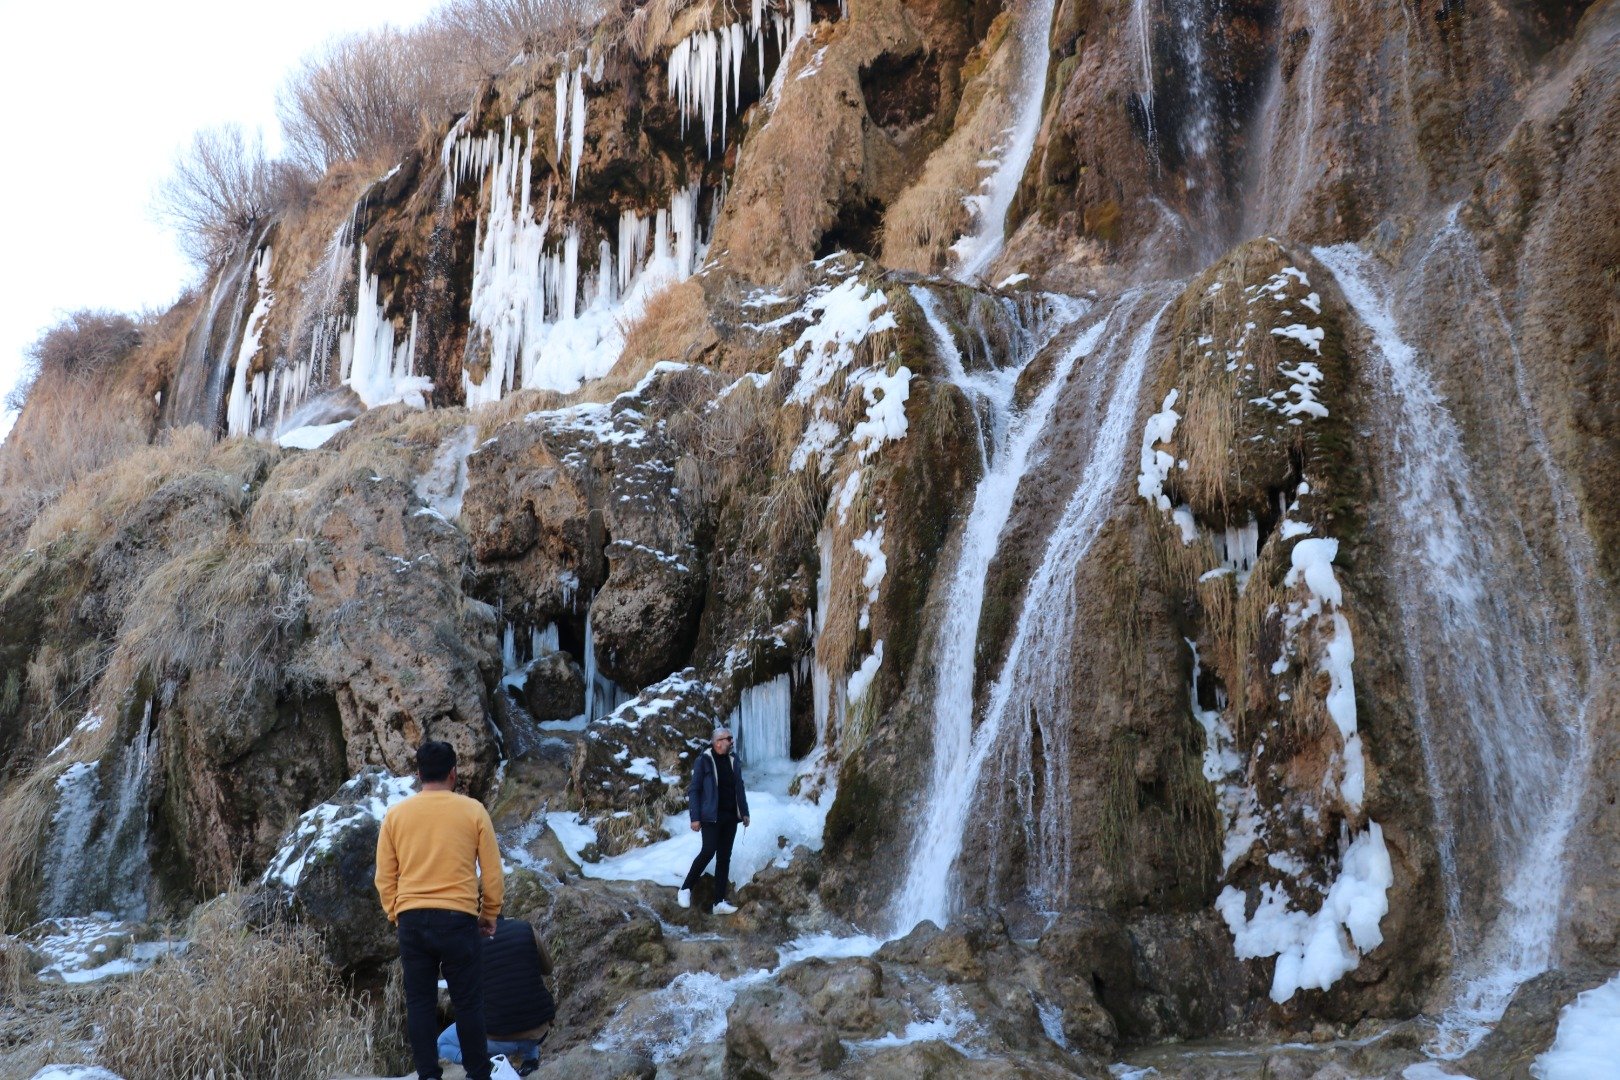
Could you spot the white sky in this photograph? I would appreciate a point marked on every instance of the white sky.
(100, 96)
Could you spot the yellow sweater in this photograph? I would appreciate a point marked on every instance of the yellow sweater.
(430, 851)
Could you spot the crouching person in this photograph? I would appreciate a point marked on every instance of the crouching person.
(518, 1009)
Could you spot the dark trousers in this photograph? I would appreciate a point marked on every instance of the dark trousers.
(431, 940)
(718, 836)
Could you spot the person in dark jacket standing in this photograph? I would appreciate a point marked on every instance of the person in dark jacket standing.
(518, 1009)
(716, 802)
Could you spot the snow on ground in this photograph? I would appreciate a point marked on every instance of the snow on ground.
(75, 1072)
(1588, 1042)
(779, 823)
(89, 948)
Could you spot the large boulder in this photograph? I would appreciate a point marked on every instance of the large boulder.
(771, 1033)
(324, 873)
(554, 688)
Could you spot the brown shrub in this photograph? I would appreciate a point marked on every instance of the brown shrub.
(81, 344)
(239, 1003)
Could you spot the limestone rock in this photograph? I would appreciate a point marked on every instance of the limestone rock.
(554, 688)
(769, 1033)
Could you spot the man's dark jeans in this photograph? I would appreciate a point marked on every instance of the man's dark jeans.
(718, 836)
(431, 939)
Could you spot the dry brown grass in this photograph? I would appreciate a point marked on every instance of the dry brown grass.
(27, 813)
(93, 505)
(921, 224)
(649, 26)
(15, 970)
(227, 604)
(516, 405)
(68, 435)
(239, 1004)
(674, 326)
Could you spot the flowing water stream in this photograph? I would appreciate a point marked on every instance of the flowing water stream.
(961, 750)
(979, 248)
(1499, 707)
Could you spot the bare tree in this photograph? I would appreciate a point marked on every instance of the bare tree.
(362, 97)
(491, 32)
(223, 187)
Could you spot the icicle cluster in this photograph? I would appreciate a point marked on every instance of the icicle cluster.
(705, 67)
(571, 120)
(376, 369)
(243, 402)
(537, 318)
(464, 156)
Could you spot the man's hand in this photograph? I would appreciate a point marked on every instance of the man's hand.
(697, 826)
(486, 925)
(745, 823)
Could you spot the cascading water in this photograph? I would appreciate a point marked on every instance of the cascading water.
(98, 852)
(205, 366)
(960, 749)
(1285, 169)
(1501, 713)
(975, 251)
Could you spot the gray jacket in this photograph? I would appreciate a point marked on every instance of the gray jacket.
(703, 793)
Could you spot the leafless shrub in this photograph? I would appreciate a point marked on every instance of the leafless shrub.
(491, 32)
(238, 1003)
(222, 189)
(362, 97)
(80, 345)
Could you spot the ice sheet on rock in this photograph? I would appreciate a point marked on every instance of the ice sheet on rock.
(367, 795)
(312, 437)
(444, 485)
(1588, 1041)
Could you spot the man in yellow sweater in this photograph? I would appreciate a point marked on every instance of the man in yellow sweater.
(432, 851)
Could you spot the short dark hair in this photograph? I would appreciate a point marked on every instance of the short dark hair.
(434, 760)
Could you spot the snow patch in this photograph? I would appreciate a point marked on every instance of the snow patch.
(1588, 1042)
(1156, 464)
(1313, 951)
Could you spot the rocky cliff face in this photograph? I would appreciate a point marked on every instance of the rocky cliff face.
(1215, 613)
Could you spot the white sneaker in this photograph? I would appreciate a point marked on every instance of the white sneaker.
(684, 898)
(724, 908)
